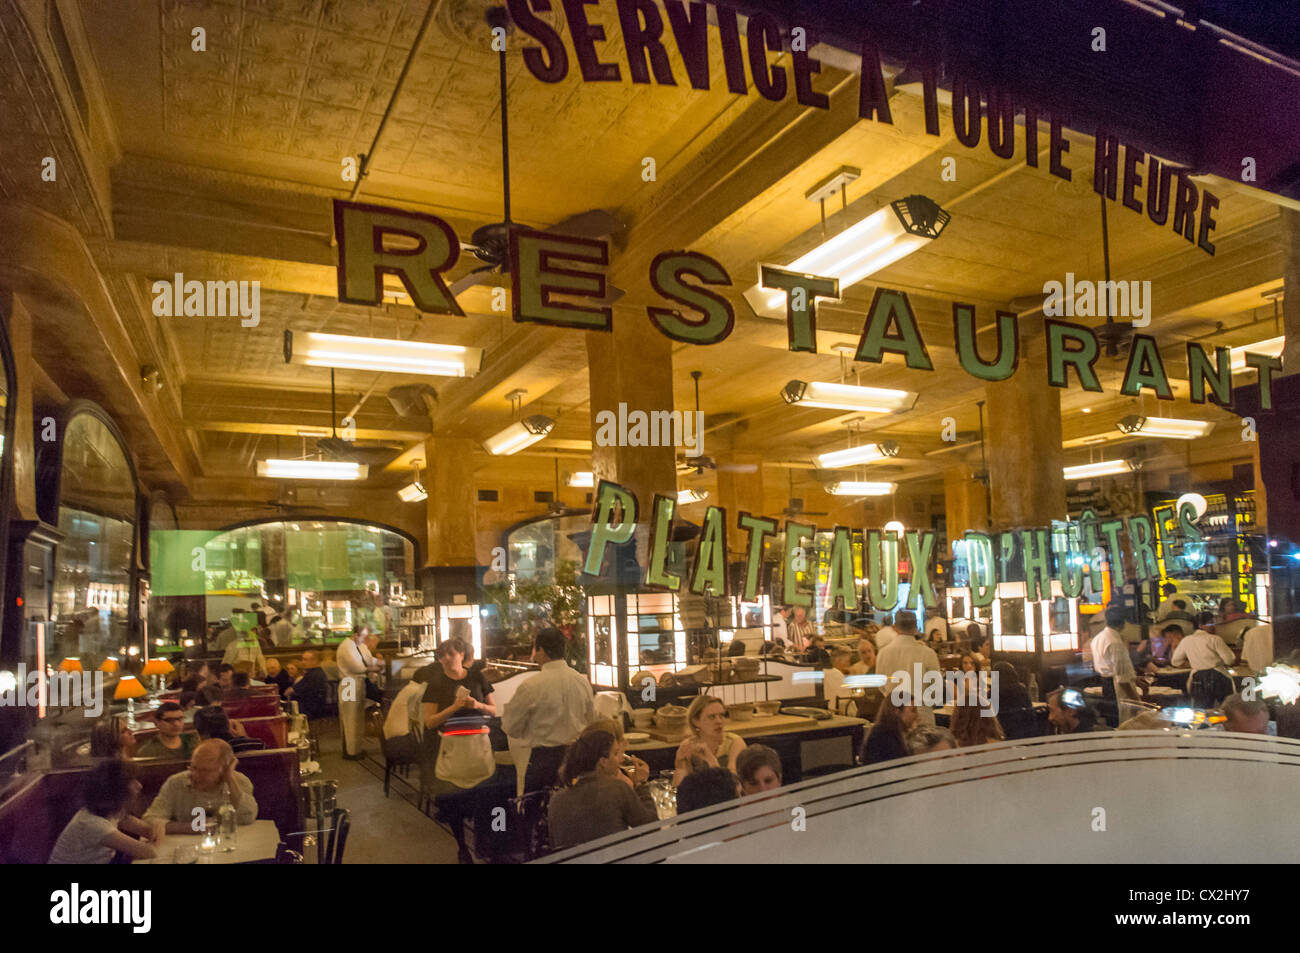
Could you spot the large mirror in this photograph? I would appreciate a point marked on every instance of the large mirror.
(318, 577)
(92, 565)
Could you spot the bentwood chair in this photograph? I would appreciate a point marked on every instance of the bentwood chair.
(283, 855)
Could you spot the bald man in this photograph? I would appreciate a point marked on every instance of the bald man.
(311, 690)
(191, 799)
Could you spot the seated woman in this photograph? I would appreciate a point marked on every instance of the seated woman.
(885, 741)
(708, 744)
(970, 726)
(102, 828)
(595, 797)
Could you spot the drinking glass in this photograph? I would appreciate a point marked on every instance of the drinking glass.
(185, 854)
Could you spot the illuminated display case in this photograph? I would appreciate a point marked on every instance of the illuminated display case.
(463, 620)
(630, 632)
(1224, 564)
(960, 606)
(751, 622)
(1047, 625)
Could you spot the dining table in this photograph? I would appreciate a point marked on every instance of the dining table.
(256, 843)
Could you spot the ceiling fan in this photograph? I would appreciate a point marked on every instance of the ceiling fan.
(490, 244)
(285, 503)
(335, 448)
(685, 463)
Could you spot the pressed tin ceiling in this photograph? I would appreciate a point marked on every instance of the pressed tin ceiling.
(228, 159)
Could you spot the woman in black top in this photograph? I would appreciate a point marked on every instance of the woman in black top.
(885, 741)
(459, 698)
(1015, 710)
(443, 699)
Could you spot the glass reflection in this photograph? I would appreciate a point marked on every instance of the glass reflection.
(92, 566)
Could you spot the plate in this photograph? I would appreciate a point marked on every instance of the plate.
(820, 714)
(635, 737)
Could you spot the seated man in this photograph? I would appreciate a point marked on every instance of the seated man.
(926, 738)
(277, 676)
(759, 768)
(226, 676)
(209, 782)
(1249, 717)
(1069, 719)
(399, 744)
(705, 787)
(816, 653)
(213, 722)
(833, 679)
(171, 740)
(311, 691)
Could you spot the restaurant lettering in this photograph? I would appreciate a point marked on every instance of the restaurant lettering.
(1070, 553)
(1141, 182)
(553, 274)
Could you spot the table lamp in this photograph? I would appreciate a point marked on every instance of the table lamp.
(109, 665)
(156, 667)
(129, 687)
(70, 665)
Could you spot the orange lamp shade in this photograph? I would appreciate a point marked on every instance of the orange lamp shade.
(70, 665)
(108, 665)
(158, 666)
(128, 686)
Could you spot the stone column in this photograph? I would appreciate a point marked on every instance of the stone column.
(1023, 428)
(965, 504)
(739, 491)
(451, 562)
(632, 365)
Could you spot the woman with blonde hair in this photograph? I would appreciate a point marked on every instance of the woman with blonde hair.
(708, 744)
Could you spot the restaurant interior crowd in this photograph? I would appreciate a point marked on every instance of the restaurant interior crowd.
(579, 778)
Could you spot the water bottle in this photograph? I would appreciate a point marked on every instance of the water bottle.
(1033, 688)
(226, 824)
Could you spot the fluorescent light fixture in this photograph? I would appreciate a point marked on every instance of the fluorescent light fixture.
(520, 434)
(583, 479)
(867, 453)
(691, 496)
(1100, 469)
(1170, 427)
(413, 492)
(876, 242)
(312, 470)
(858, 488)
(1272, 347)
(872, 400)
(317, 349)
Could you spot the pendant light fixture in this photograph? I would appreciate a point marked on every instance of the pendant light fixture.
(520, 434)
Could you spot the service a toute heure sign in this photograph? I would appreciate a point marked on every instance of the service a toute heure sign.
(561, 281)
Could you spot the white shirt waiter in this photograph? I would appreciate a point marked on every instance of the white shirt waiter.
(551, 708)
(1202, 650)
(900, 658)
